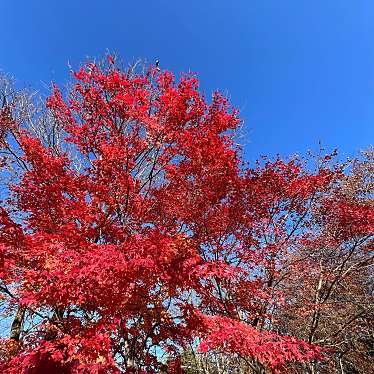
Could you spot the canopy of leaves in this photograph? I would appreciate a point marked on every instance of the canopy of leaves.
(131, 229)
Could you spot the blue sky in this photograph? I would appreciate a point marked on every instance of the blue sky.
(300, 71)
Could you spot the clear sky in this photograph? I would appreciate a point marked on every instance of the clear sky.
(300, 71)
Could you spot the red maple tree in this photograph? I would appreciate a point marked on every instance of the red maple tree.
(135, 229)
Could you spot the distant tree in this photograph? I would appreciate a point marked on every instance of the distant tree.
(133, 237)
(328, 285)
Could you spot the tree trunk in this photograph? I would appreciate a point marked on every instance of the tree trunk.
(16, 328)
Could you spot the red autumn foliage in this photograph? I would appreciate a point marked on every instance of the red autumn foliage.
(143, 231)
